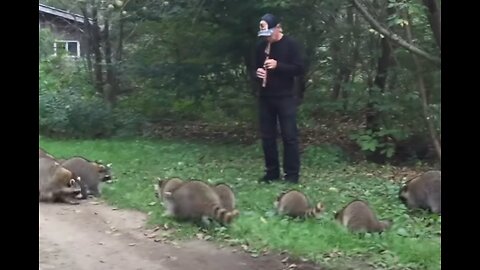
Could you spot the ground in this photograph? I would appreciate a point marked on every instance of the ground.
(93, 235)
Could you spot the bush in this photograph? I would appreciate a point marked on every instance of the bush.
(70, 107)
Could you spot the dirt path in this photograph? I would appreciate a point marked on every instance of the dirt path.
(95, 236)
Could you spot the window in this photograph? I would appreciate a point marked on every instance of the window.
(70, 47)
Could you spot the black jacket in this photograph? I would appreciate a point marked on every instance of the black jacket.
(290, 64)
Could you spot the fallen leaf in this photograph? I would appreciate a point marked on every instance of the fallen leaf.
(173, 258)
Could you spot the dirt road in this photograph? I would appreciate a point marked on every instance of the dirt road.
(95, 236)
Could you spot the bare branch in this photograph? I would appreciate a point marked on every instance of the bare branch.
(395, 38)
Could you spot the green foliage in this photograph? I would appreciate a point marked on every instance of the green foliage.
(412, 242)
(46, 39)
(69, 106)
(190, 61)
(371, 141)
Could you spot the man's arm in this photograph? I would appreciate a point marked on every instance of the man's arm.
(259, 58)
(297, 66)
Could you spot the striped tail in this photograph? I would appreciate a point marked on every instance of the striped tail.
(315, 212)
(222, 215)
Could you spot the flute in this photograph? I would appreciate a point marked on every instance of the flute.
(267, 52)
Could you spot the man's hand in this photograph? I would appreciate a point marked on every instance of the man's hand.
(270, 63)
(261, 73)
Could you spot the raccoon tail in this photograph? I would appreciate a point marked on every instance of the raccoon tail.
(222, 215)
(315, 211)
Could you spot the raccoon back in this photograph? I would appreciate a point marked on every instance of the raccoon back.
(358, 216)
(227, 197)
(293, 203)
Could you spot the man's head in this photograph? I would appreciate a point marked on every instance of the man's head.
(270, 28)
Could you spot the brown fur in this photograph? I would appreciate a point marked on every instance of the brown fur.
(423, 192)
(357, 216)
(295, 204)
(56, 184)
(44, 154)
(196, 200)
(91, 174)
(166, 185)
(227, 197)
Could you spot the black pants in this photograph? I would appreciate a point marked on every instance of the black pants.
(284, 111)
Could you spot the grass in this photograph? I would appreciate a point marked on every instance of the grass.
(412, 242)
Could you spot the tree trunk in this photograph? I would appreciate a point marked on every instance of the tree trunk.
(112, 89)
(96, 40)
(435, 18)
(119, 52)
(89, 45)
(423, 94)
(372, 115)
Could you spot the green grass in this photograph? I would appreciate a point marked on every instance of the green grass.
(412, 242)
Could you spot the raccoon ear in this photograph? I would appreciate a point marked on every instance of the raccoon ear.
(72, 182)
(167, 194)
(79, 178)
(320, 206)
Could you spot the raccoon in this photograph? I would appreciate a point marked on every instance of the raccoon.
(197, 201)
(294, 203)
(91, 174)
(423, 192)
(42, 154)
(227, 197)
(56, 184)
(166, 185)
(358, 217)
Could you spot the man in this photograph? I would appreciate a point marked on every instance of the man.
(278, 61)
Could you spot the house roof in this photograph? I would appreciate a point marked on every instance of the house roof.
(61, 13)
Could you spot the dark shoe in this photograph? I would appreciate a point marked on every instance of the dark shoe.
(292, 179)
(269, 178)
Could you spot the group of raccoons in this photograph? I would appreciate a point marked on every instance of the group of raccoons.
(199, 201)
(66, 180)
